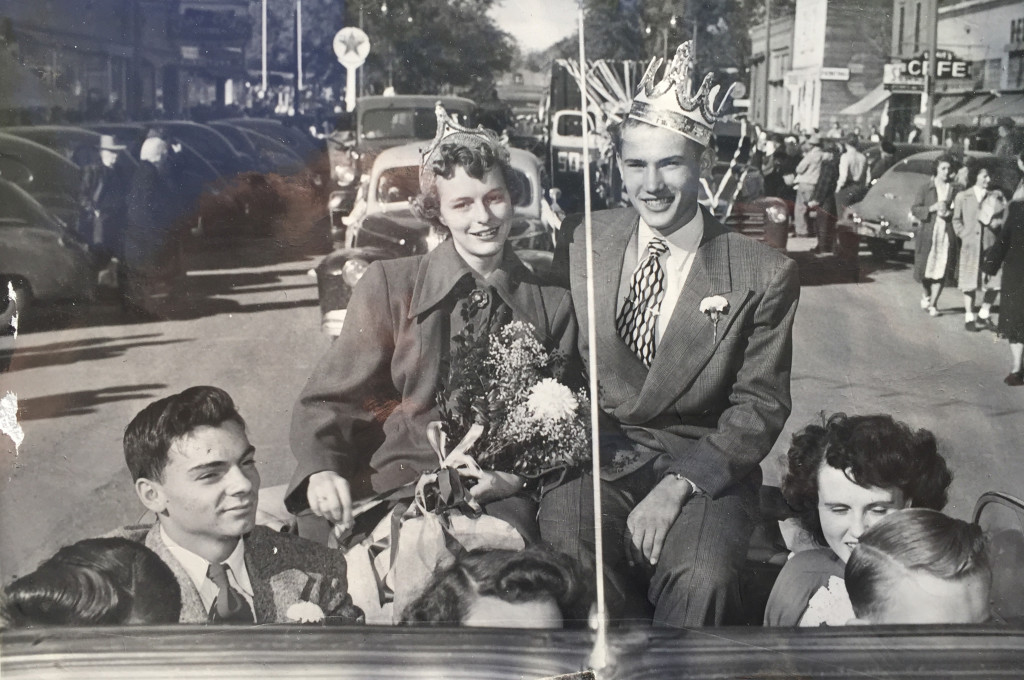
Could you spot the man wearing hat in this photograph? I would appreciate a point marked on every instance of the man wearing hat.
(807, 172)
(104, 187)
(694, 350)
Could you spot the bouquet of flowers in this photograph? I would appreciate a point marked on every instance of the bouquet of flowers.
(503, 380)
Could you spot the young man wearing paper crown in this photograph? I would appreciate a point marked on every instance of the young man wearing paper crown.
(694, 350)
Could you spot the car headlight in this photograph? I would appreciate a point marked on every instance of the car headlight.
(334, 202)
(776, 214)
(353, 270)
(344, 175)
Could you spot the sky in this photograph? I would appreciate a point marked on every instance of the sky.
(536, 24)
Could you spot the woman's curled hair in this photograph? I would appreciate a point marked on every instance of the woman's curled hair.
(873, 451)
(514, 576)
(98, 581)
(477, 156)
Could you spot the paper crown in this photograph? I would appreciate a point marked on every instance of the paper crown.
(450, 132)
(668, 104)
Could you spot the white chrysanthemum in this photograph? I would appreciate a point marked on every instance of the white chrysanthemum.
(551, 400)
(305, 612)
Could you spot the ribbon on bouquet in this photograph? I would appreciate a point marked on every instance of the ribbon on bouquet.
(433, 493)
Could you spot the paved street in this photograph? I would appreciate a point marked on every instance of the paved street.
(864, 347)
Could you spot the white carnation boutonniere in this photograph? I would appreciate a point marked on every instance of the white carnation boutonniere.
(305, 612)
(714, 306)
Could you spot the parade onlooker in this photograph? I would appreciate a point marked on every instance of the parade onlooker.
(194, 468)
(773, 168)
(531, 588)
(836, 132)
(104, 190)
(1018, 192)
(1010, 142)
(886, 159)
(976, 223)
(98, 581)
(918, 566)
(852, 174)
(955, 145)
(876, 134)
(935, 255)
(822, 202)
(842, 478)
(152, 250)
(1011, 305)
(807, 171)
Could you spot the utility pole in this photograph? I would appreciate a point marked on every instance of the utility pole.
(767, 60)
(929, 76)
(264, 47)
(298, 51)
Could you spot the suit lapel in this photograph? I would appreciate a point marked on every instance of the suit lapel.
(192, 608)
(690, 339)
(262, 592)
(614, 249)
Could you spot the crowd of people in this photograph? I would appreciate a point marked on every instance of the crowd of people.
(693, 347)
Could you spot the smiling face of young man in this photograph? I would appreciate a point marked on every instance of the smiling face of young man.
(476, 212)
(661, 172)
(206, 496)
(847, 509)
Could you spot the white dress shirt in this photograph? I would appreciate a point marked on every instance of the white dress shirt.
(677, 262)
(196, 567)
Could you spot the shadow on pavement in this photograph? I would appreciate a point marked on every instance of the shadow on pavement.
(82, 402)
(87, 349)
(828, 270)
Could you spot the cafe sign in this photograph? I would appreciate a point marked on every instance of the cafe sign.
(947, 66)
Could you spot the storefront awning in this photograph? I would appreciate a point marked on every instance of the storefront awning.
(871, 100)
(949, 107)
(1009, 105)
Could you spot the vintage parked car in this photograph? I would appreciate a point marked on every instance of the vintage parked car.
(40, 256)
(388, 228)
(66, 140)
(49, 177)
(883, 218)
(381, 122)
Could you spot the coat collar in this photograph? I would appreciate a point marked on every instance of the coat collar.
(443, 269)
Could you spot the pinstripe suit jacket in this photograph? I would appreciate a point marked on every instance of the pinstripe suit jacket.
(283, 569)
(709, 407)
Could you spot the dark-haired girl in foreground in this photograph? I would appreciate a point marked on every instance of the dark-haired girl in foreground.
(843, 477)
(98, 581)
(532, 588)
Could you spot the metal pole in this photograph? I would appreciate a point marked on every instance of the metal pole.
(599, 655)
(767, 60)
(265, 47)
(298, 51)
(929, 77)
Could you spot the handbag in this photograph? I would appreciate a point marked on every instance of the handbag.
(993, 256)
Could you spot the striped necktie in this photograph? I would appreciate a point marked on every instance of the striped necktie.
(230, 606)
(638, 318)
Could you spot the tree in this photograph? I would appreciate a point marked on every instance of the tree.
(425, 46)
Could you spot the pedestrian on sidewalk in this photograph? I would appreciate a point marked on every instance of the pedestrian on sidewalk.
(1011, 306)
(105, 187)
(822, 201)
(935, 262)
(976, 213)
(853, 167)
(807, 172)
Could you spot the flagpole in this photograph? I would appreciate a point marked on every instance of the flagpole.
(599, 655)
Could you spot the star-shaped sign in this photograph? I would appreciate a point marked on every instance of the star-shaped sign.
(351, 45)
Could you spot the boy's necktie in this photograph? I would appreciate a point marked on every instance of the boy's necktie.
(230, 606)
(638, 317)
